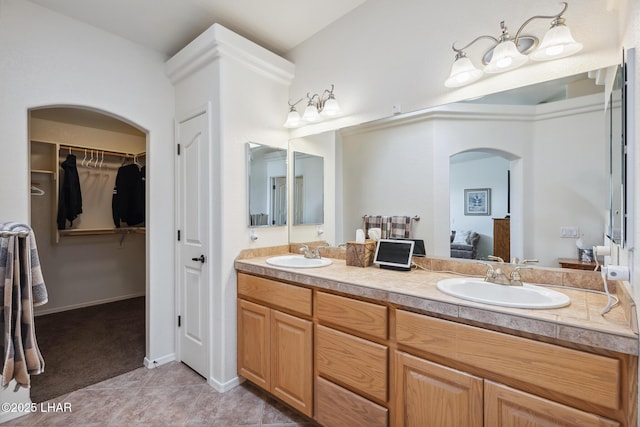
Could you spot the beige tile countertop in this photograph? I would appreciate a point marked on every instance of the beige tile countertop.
(579, 324)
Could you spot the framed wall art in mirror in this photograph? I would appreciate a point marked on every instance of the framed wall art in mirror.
(477, 201)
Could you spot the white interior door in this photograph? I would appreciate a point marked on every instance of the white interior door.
(279, 200)
(193, 244)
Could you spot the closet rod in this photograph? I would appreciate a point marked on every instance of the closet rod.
(106, 152)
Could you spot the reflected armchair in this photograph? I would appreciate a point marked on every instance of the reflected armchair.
(464, 244)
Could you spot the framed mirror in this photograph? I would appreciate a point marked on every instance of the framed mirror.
(550, 136)
(615, 135)
(267, 182)
(308, 188)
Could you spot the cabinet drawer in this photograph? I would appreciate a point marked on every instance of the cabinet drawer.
(588, 377)
(359, 316)
(338, 407)
(274, 293)
(505, 406)
(356, 362)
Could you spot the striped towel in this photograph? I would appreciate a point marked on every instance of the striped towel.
(22, 287)
(392, 227)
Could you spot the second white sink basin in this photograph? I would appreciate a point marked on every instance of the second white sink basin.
(297, 261)
(526, 296)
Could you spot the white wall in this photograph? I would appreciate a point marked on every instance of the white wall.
(47, 59)
(385, 53)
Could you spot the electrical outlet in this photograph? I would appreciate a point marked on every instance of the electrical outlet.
(396, 109)
(569, 232)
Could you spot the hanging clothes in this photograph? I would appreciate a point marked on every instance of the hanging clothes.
(128, 202)
(70, 199)
(22, 287)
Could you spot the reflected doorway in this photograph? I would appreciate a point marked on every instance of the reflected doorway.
(480, 231)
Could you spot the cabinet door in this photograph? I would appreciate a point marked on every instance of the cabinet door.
(292, 361)
(254, 362)
(432, 395)
(505, 406)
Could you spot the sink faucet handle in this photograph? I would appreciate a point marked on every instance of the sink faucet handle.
(490, 271)
(495, 258)
(515, 277)
(305, 250)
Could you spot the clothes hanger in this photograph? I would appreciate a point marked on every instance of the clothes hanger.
(85, 157)
(101, 159)
(36, 191)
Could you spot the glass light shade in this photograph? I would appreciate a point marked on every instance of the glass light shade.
(293, 119)
(331, 108)
(557, 43)
(506, 56)
(311, 114)
(463, 72)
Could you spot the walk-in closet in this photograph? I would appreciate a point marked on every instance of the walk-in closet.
(88, 209)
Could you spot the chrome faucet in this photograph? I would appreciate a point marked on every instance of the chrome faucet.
(498, 277)
(311, 253)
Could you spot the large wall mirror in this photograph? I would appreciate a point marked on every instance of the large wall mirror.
(267, 181)
(541, 151)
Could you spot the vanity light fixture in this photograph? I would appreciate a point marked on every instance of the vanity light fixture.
(318, 108)
(510, 53)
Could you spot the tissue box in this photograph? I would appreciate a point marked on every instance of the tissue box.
(361, 254)
(585, 255)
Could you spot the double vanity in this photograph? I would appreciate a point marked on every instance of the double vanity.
(355, 346)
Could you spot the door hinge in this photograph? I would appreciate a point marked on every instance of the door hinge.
(179, 321)
(178, 149)
(178, 235)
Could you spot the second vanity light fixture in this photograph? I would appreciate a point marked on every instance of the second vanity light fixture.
(318, 108)
(510, 53)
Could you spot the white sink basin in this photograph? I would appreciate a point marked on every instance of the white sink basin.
(297, 261)
(526, 296)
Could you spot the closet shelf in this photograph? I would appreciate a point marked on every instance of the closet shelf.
(101, 231)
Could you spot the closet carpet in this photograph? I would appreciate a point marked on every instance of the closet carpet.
(88, 345)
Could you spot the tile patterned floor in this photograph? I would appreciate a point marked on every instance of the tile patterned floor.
(170, 395)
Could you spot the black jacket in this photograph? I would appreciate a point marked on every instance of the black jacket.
(70, 198)
(128, 202)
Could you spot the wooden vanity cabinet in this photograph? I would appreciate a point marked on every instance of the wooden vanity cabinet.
(275, 349)
(351, 362)
(555, 385)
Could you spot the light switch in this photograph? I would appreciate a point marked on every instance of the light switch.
(569, 232)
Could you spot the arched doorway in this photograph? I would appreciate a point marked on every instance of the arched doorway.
(485, 204)
(95, 271)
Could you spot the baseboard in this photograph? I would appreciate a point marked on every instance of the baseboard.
(159, 361)
(226, 386)
(88, 304)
